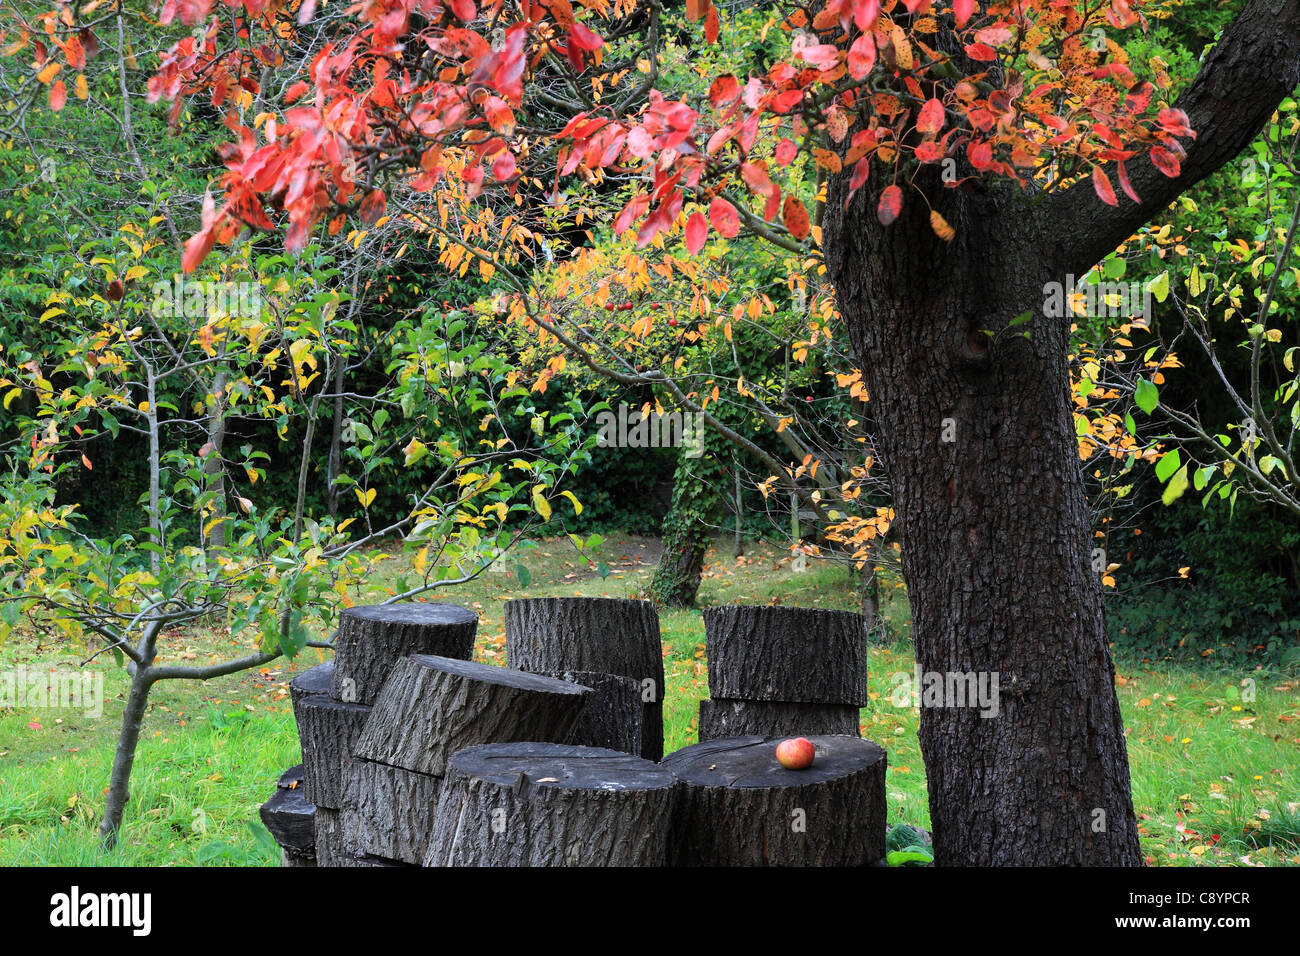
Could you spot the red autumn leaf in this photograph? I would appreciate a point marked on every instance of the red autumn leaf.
(785, 152)
(866, 13)
(962, 10)
(295, 91)
(931, 119)
(980, 155)
(981, 51)
(724, 217)
(464, 9)
(796, 218)
(58, 95)
(584, 39)
(1101, 183)
(711, 25)
(723, 90)
(697, 231)
(504, 166)
(696, 9)
(773, 204)
(891, 204)
(1165, 161)
(756, 178)
(914, 5)
(861, 170)
(372, 207)
(1124, 183)
(824, 56)
(862, 56)
(929, 152)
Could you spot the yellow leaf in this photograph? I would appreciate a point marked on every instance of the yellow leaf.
(51, 70)
(80, 88)
(577, 505)
(540, 504)
(941, 227)
(365, 497)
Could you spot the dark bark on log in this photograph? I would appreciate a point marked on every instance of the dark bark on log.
(430, 707)
(367, 859)
(387, 812)
(373, 638)
(775, 718)
(297, 858)
(290, 819)
(528, 804)
(739, 807)
(616, 716)
(314, 680)
(602, 635)
(291, 778)
(328, 730)
(332, 848)
(786, 653)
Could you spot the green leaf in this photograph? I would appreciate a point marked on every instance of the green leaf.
(522, 575)
(1159, 286)
(1146, 395)
(1177, 485)
(1167, 465)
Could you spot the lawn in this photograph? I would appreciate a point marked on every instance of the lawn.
(1216, 777)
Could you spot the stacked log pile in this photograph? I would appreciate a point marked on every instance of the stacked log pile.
(414, 755)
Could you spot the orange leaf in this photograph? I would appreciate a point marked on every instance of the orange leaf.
(796, 218)
(941, 227)
(58, 95)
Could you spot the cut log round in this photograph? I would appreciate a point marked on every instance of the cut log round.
(599, 635)
(531, 804)
(372, 638)
(291, 778)
(314, 680)
(327, 729)
(617, 716)
(739, 807)
(332, 848)
(786, 653)
(430, 707)
(387, 812)
(775, 718)
(290, 818)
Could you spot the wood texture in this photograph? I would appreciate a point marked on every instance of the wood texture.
(327, 729)
(430, 707)
(371, 638)
(616, 716)
(765, 652)
(739, 807)
(290, 817)
(387, 812)
(599, 635)
(775, 718)
(332, 849)
(529, 804)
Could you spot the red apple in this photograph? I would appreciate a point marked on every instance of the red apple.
(796, 753)
(673, 323)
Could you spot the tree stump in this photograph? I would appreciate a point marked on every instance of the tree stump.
(530, 804)
(593, 636)
(332, 848)
(430, 707)
(600, 635)
(616, 715)
(775, 718)
(289, 816)
(786, 653)
(739, 807)
(387, 812)
(313, 681)
(372, 638)
(328, 730)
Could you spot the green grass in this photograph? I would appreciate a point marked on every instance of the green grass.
(210, 753)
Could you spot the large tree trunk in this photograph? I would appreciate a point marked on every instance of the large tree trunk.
(994, 531)
(977, 435)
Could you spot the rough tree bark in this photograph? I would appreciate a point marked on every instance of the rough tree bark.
(761, 652)
(431, 707)
(994, 525)
(373, 637)
(739, 807)
(721, 718)
(528, 804)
